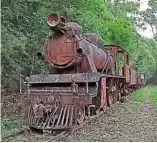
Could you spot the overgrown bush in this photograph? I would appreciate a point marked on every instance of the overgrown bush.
(24, 30)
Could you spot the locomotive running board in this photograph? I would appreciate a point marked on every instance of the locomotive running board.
(68, 78)
(64, 78)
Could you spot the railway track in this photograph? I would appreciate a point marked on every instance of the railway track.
(31, 135)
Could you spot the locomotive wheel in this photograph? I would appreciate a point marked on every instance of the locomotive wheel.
(110, 100)
(117, 95)
(81, 115)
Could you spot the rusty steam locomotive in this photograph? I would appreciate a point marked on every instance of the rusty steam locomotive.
(85, 77)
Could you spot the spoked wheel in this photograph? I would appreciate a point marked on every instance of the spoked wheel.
(110, 100)
(119, 96)
(81, 115)
(116, 95)
(96, 107)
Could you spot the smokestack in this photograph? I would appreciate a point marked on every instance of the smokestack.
(56, 21)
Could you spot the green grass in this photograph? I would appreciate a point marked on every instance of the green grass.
(146, 92)
(140, 95)
(8, 127)
(154, 94)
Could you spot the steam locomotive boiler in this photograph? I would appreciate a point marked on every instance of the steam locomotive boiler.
(67, 48)
(85, 77)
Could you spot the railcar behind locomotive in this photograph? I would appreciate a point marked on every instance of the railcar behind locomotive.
(85, 77)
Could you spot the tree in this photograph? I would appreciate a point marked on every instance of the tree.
(24, 31)
(150, 16)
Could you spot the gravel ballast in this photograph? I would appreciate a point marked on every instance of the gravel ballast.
(123, 122)
(131, 121)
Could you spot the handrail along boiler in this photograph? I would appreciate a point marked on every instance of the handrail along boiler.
(85, 77)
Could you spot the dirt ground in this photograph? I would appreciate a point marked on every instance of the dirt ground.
(124, 122)
(132, 121)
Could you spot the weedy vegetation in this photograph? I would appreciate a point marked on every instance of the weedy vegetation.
(145, 93)
(8, 127)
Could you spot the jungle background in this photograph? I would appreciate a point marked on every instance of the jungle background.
(24, 30)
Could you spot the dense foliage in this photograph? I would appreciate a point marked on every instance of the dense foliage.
(24, 30)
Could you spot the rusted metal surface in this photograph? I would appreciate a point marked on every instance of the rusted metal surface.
(127, 72)
(64, 78)
(103, 93)
(133, 76)
(60, 106)
(56, 21)
(60, 50)
(70, 49)
(63, 51)
(95, 39)
(56, 111)
(73, 28)
(84, 78)
(116, 50)
(140, 79)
